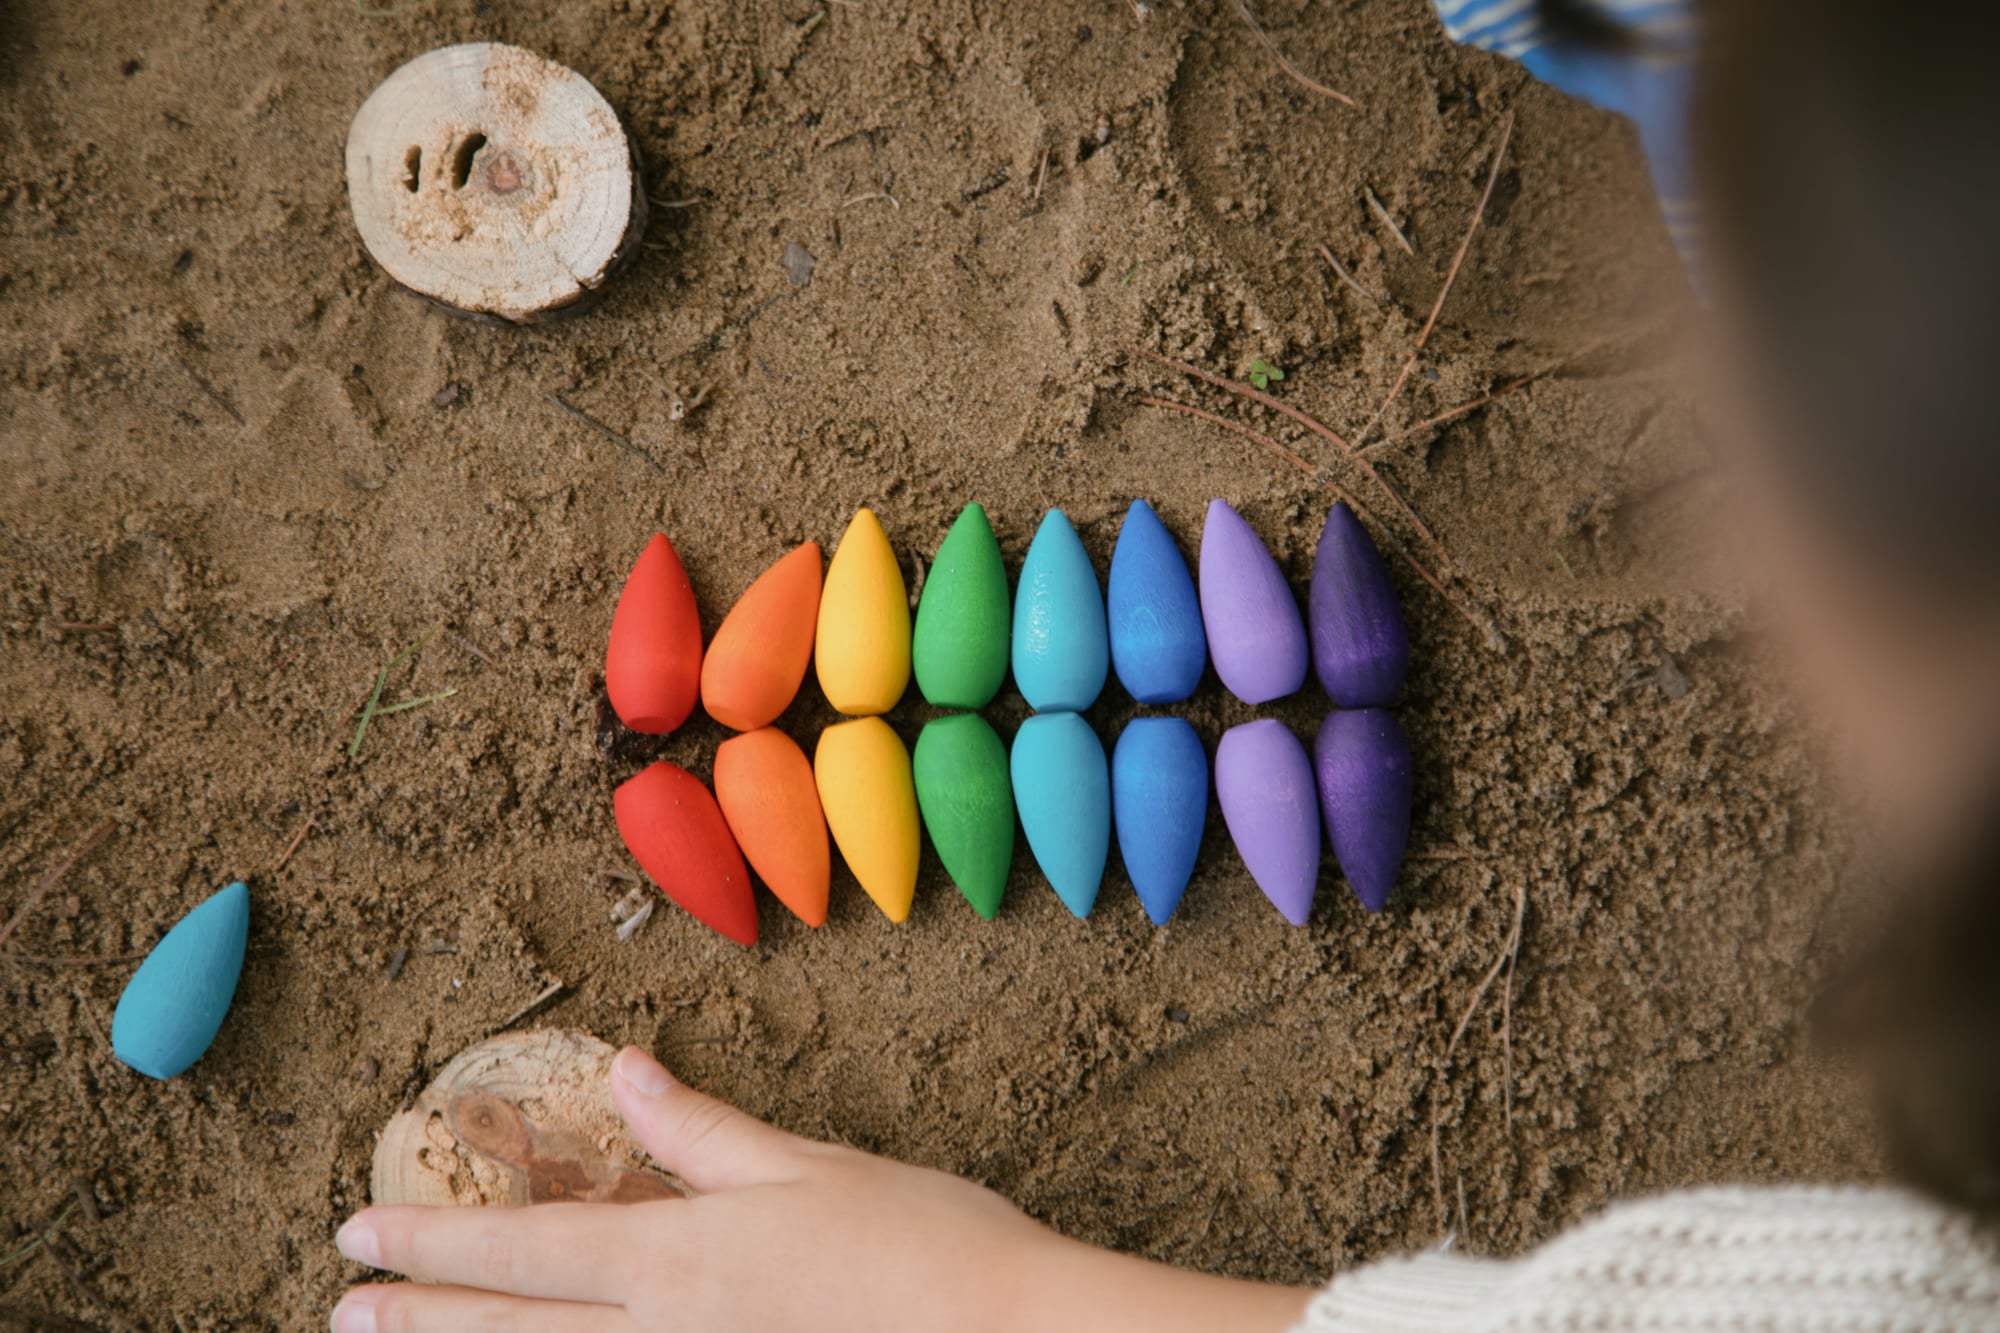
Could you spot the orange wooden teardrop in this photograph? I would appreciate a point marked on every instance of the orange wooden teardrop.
(760, 654)
(765, 786)
(652, 670)
(676, 833)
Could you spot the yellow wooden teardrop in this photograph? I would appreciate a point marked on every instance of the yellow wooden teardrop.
(862, 644)
(863, 774)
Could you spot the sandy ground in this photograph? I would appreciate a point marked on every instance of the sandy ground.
(231, 443)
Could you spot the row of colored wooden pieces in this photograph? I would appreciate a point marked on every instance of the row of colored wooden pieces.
(1061, 634)
(1156, 630)
(774, 807)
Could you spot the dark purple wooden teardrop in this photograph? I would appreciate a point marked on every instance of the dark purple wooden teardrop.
(1360, 647)
(1362, 762)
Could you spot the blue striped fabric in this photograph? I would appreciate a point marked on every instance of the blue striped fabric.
(1653, 84)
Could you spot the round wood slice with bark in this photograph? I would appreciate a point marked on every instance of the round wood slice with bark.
(494, 182)
(521, 1118)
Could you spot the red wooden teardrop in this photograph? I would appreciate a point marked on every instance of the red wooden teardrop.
(652, 670)
(676, 832)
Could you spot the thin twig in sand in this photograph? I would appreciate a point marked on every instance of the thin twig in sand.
(50, 880)
(81, 627)
(578, 414)
(42, 960)
(1241, 390)
(215, 395)
(1263, 441)
(1041, 175)
(470, 647)
(1317, 427)
(1256, 437)
(1313, 1275)
(1375, 206)
(1450, 277)
(1507, 1030)
(1492, 973)
(1512, 386)
(1340, 271)
(298, 841)
(89, 1012)
(72, 1272)
(1298, 75)
(1508, 952)
(35, 1243)
(548, 993)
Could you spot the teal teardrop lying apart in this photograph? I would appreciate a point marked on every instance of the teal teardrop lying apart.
(1062, 787)
(968, 805)
(1061, 650)
(175, 1003)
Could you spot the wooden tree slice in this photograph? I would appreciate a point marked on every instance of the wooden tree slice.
(521, 1118)
(494, 182)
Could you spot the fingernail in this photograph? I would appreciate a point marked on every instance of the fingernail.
(356, 1314)
(357, 1240)
(646, 1075)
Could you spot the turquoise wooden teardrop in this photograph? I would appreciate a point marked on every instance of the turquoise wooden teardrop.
(175, 1003)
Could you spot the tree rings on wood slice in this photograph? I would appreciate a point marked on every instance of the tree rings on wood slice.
(521, 1118)
(494, 182)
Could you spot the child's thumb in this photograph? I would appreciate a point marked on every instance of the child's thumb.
(710, 1144)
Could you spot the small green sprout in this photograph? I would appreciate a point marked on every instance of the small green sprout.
(375, 708)
(1263, 374)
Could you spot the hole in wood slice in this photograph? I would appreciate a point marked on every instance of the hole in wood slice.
(494, 182)
(522, 1118)
(461, 161)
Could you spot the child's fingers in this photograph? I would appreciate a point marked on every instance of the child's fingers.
(710, 1144)
(557, 1251)
(409, 1308)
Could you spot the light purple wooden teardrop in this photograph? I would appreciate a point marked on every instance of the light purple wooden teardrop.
(1256, 636)
(1264, 780)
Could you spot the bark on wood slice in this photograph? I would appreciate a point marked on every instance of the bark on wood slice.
(522, 1118)
(494, 182)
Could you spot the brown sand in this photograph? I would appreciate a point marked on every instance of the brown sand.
(230, 439)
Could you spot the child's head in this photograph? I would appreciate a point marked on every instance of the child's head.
(1847, 150)
(1848, 163)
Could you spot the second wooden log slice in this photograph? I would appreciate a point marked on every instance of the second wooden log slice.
(521, 1118)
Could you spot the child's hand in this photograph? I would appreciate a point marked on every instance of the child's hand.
(785, 1234)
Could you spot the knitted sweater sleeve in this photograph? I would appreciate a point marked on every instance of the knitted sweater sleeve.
(1790, 1260)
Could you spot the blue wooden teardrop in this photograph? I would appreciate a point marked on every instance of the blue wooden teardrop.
(175, 1003)
(1062, 787)
(1159, 803)
(1157, 642)
(1061, 653)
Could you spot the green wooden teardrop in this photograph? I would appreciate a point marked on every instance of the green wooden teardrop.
(967, 799)
(963, 618)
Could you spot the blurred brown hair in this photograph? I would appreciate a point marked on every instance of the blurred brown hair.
(1849, 162)
(1849, 156)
